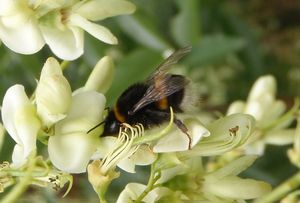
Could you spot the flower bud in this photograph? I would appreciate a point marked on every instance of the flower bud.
(53, 93)
(102, 75)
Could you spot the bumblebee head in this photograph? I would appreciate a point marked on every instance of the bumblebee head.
(111, 125)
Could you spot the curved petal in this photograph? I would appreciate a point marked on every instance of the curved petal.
(143, 156)
(20, 120)
(21, 34)
(18, 156)
(14, 98)
(178, 141)
(226, 134)
(72, 152)
(67, 44)
(85, 112)
(97, 31)
(99, 9)
(263, 85)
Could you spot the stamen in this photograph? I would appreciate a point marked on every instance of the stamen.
(123, 147)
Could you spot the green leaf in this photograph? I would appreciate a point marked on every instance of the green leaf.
(185, 27)
(143, 30)
(213, 48)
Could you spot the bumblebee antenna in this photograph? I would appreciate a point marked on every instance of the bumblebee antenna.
(96, 126)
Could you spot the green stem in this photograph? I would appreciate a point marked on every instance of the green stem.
(150, 185)
(282, 190)
(101, 198)
(22, 186)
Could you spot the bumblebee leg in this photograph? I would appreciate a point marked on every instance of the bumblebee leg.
(184, 129)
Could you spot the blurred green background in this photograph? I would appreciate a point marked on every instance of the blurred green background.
(234, 42)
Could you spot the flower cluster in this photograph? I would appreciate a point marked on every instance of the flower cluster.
(59, 118)
(26, 26)
(56, 115)
(271, 120)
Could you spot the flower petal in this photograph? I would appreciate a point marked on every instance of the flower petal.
(72, 152)
(263, 85)
(8, 7)
(97, 31)
(143, 156)
(105, 145)
(233, 168)
(99, 9)
(237, 188)
(85, 113)
(21, 34)
(21, 122)
(67, 44)
(178, 141)
(226, 134)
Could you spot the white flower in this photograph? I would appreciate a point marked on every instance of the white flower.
(268, 112)
(261, 102)
(53, 93)
(19, 27)
(21, 122)
(25, 26)
(71, 147)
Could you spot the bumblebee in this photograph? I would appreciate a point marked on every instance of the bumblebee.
(149, 103)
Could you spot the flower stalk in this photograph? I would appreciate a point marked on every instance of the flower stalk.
(23, 184)
(154, 176)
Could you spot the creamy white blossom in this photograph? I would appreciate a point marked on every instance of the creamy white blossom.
(21, 122)
(25, 26)
(71, 147)
(267, 110)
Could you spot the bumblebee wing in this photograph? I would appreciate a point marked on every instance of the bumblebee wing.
(161, 88)
(168, 62)
(162, 84)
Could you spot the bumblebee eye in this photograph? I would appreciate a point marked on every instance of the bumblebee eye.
(114, 125)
